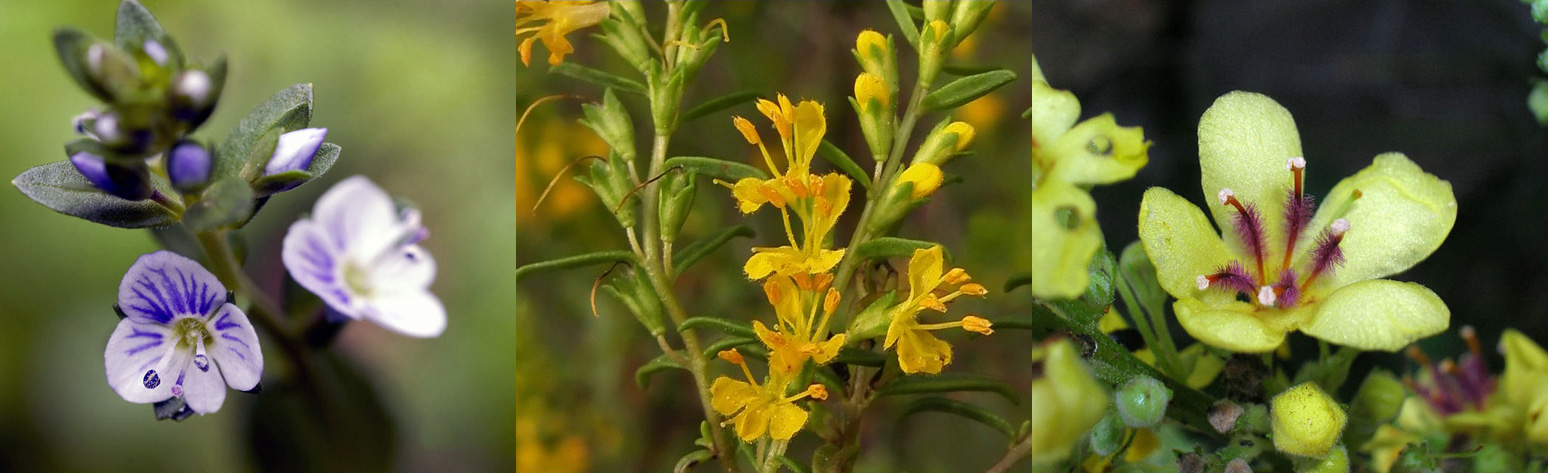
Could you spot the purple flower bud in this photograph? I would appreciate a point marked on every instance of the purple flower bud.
(156, 52)
(188, 166)
(125, 182)
(295, 151)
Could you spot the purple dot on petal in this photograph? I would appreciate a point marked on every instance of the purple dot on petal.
(151, 380)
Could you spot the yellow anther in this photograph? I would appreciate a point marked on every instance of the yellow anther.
(747, 129)
(831, 302)
(976, 324)
(817, 391)
(797, 186)
(772, 196)
(929, 301)
(732, 356)
(974, 289)
(774, 291)
(956, 276)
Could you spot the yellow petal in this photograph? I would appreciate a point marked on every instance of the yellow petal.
(1233, 328)
(1526, 364)
(1053, 112)
(1145, 443)
(1065, 237)
(753, 421)
(825, 261)
(766, 261)
(829, 349)
(925, 177)
(920, 352)
(1066, 403)
(810, 126)
(924, 271)
(1098, 151)
(1244, 141)
(1182, 245)
(1402, 216)
(728, 395)
(785, 420)
(747, 194)
(1379, 315)
(1111, 322)
(902, 322)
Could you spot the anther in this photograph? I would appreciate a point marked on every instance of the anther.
(1266, 296)
(1339, 227)
(733, 356)
(1225, 195)
(956, 276)
(1203, 282)
(974, 289)
(1471, 337)
(831, 302)
(151, 380)
(976, 324)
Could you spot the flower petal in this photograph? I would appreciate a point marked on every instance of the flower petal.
(728, 395)
(785, 420)
(1053, 112)
(1098, 151)
(924, 271)
(408, 268)
(1379, 315)
(1402, 216)
(1182, 245)
(920, 352)
(753, 421)
(203, 390)
(412, 313)
(236, 348)
(1232, 328)
(134, 348)
(358, 216)
(765, 261)
(810, 125)
(313, 258)
(162, 285)
(1526, 365)
(1244, 141)
(1065, 237)
(295, 150)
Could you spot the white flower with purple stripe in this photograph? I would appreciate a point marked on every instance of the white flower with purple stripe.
(180, 336)
(360, 255)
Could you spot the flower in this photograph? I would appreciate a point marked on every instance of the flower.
(798, 335)
(180, 336)
(1378, 222)
(758, 409)
(562, 18)
(124, 181)
(925, 177)
(1306, 421)
(918, 350)
(189, 166)
(360, 256)
(1066, 401)
(1524, 386)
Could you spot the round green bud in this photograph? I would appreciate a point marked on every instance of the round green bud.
(1108, 435)
(1142, 402)
(1306, 421)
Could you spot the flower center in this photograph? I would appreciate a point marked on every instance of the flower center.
(1285, 289)
(358, 280)
(187, 331)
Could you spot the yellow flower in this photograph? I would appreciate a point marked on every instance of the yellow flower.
(760, 409)
(1306, 421)
(1378, 222)
(1066, 402)
(563, 17)
(918, 350)
(872, 94)
(798, 334)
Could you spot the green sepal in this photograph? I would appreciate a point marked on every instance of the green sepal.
(655, 365)
(631, 288)
(665, 95)
(287, 110)
(611, 122)
(611, 184)
(575, 261)
(730, 171)
(598, 77)
(1086, 310)
(967, 89)
(699, 249)
(60, 187)
(135, 25)
(950, 382)
(959, 408)
(677, 190)
(73, 46)
(966, 17)
(224, 204)
(872, 321)
(625, 39)
(841, 160)
(736, 329)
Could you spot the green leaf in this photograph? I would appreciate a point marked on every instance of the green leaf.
(576, 261)
(72, 46)
(967, 89)
(287, 110)
(836, 156)
(699, 249)
(1018, 280)
(893, 247)
(856, 356)
(964, 70)
(727, 344)
(730, 171)
(1137, 272)
(717, 104)
(949, 382)
(226, 202)
(60, 187)
(905, 23)
(726, 326)
(598, 77)
(1091, 306)
(656, 365)
(135, 25)
(687, 462)
(970, 411)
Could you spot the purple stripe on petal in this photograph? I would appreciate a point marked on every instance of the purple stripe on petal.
(136, 333)
(237, 353)
(146, 346)
(228, 336)
(222, 324)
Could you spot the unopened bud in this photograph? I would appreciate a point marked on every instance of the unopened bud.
(1142, 402)
(925, 177)
(188, 166)
(128, 182)
(295, 151)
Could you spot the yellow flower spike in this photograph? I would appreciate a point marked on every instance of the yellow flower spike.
(562, 17)
(1066, 402)
(756, 410)
(872, 94)
(1300, 271)
(919, 351)
(1306, 421)
(925, 177)
(1098, 151)
(976, 324)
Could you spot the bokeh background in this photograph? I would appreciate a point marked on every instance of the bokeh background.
(1443, 82)
(418, 94)
(579, 408)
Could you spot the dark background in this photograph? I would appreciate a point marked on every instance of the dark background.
(1444, 82)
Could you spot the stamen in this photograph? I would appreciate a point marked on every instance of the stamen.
(1327, 254)
(976, 324)
(1266, 296)
(956, 276)
(1249, 226)
(974, 289)
(200, 360)
(1231, 277)
(1471, 337)
(1418, 355)
(831, 302)
(1287, 294)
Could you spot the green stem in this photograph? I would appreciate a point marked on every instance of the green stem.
(771, 456)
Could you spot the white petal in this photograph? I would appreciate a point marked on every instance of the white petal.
(409, 268)
(235, 348)
(203, 389)
(359, 217)
(133, 349)
(163, 285)
(314, 260)
(412, 313)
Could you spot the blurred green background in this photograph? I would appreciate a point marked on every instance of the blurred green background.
(418, 94)
(579, 408)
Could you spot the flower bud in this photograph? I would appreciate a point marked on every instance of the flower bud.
(935, 40)
(937, 10)
(677, 190)
(1306, 421)
(1108, 435)
(1337, 461)
(128, 182)
(1376, 403)
(295, 150)
(967, 15)
(188, 166)
(192, 95)
(1142, 402)
(873, 105)
(925, 177)
(945, 142)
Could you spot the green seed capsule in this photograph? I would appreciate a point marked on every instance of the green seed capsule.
(1142, 402)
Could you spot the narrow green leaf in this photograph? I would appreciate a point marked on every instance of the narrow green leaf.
(135, 25)
(905, 23)
(856, 356)
(287, 110)
(726, 326)
(729, 171)
(727, 344)
(656, 365)
(598, 77)
(1018, 280)
(717, 104)
(836, 156)
(949, 406)
(699, 249)
(964, 70)
(576, 261)
(950, 382)
(967, 89)
(60, 187)
(687, 462)
(72, 45)
(892, 247)
(226, 202)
